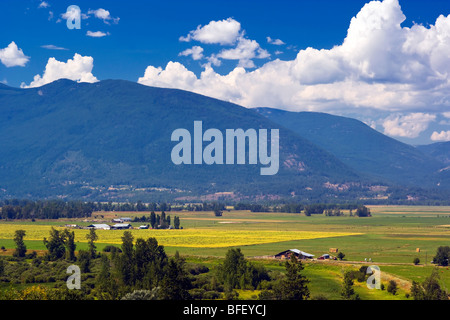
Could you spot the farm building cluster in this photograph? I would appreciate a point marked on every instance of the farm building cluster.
(119, 224)
(301, 255)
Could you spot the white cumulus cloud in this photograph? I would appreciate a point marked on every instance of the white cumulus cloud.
(440, 136)
(276, 42)
(72, 13)
(13, 56)
(224, 32)
(44, 4)
(77, 69)
(104, 15)
(97, 34)
(379, 66)
(409, 126)
(196, 52)
(245, 51)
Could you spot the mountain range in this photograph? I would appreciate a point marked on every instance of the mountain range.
(362, 148)
(111, 140)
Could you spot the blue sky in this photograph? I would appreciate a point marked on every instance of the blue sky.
(138, 36)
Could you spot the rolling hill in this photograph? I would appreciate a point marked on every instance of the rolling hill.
(362, 148)
(440, 151)
(112, 140)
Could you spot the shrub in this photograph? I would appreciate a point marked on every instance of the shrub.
(31, 255)
(392, 287)
(112, 249)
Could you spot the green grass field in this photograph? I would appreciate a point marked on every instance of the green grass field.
(389, 238)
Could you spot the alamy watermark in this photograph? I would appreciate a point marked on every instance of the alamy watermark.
(235, 147)
(374, 280)
(73, 16)
(74, 281)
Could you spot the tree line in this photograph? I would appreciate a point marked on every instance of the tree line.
(307, 209)
(56, 209)
(162, 221)
(51, 209)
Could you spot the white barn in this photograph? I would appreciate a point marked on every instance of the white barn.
(100, 226)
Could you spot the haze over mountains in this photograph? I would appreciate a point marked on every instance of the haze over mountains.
(111, 140)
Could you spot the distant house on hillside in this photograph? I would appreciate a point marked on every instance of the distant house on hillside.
(298, 253)
(99, 226)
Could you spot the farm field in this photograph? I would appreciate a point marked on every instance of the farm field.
(390, 238)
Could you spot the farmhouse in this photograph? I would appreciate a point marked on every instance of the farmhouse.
(121, 226)
(99, 226)
(298, 253)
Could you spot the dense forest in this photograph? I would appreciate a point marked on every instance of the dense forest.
(55, 209)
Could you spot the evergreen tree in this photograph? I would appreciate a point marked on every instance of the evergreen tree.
(233, 271)
(430, 289)
(2, 267)
(163, 221)
(176, 222)
(417, 291)
(105, 284)
(21, 249)
(153, 219)
(294, 287)
(347, 289)
(55, 245)
(84, 261)
(126, 259)
(142, 258)
(92, 237)
(442, 256)
(176, 283)
(69, 243)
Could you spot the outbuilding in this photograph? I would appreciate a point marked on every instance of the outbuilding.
(121, 226)
(99, 227)
(298, 253)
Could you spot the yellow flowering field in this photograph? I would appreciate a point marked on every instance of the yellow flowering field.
(194, 238)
